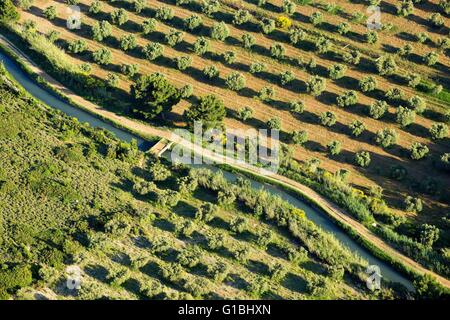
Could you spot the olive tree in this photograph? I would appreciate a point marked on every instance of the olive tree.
(316, 18)
(362, 158)
(130, 70)
(77, 46)
(297, 106)
(296, 35)
(431, 58)
(235, 81)
(337, 71)
(274, 123)
(95, 7)
(289, 7)
(128, 42)
(405, 116)
(192, 22)
(327, 118)
(428, 234)
(50, 12)
(367, 84)
(323, 45)
(413, 204)
(164, 13)
(257, 67)
(248, 40)
(316, 85)
(102, 56)
(149, 25)
(418, 151)
(348, 98)
(405, 8)
(386, 65)
(210, 111)
(220, 31)
(229, 57)
(241, 16)
(344, 28)
(377, 109)
(299, 137)
(211, 72)
(209, 7)
(119, 17)
(201, 46)
(371, 37)
(334, 147)
(286, 77)
(357, 127)
(352, 57)
(386, 137)
(174, 37)
(267, 25)
(101, 30)
(277, 50)
(183, 62)
(438, 130)
(266, 93)
(153, 50)
(245, 113)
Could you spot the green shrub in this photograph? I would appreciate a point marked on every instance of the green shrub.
(346, 99)
(277, 50)
(418, 151)
(371, 37)
(119, 17)
(220, 31)
(229, 57)
(245, 113)
(431, 58)
(102, 56)
(192, 22)
(257, 67)
(297, 106)
(50, 12)
(296, 35)
(77, 46)
(337, 71)
(201, 46)
(405, 8)
(344, 28)
(413, 204)
(334, 147)
(211, 72)
(267, 25)
(164, 13)
(316, 85)
(101, 30)
(209, 7)
(235, 81)
(405, 116)
(436, 20)
(241, 16)
(316, 18)
(386, 137)
(248, 40)
(149, 25)
(378, 108)
(323, 45)
(184, 62)
(362, 158)
(327, 118)
(386, 65)
(174, 37)
(438, 130)
(286, 77)
(128, 42)
(210, 111)
(367, 84)
(152, 51)
(266, 93)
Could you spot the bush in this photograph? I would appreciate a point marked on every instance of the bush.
(226, 197)
(316, 18)
(201, 46)
(377, 109)
(406, 50)
(267, 25)
(218, 271)
(190, 257)
(229, 57)
(334, 147)
(323, 45)
(112, 79)
(101, 30)
(50, 12)
(152, 51)
(248, 40)
(413, 204)
(77, 46)
(316, 85)
(139, 5)
(149, 25)
(186, 91)
(327, 118)
(362, 158)
(438, 130)
(119, 17)
(428, 288)
(413, 79)
(164, 13)
(337, 71)
(95, 7)
(405, 116)
(386, 137)
(348, 98)
(102, 56)
(130, 70)
(14, 278)
(367, 84)
(220, 31)
(418, 151)
(405, 8)
(257, 67)
(184, 62)
(211, 72)
(235, 81)
(386, 65)
(274, 123)
(192, 22)
(352, 57)
(436, 20)
(299, 137)
(394, 94)
(167, 198)
(210, 111)
(357, 128)
(238, 225)
(174, 37)
(431, 58)
(245, 113)
(296, 35)
(266, 93)
(277, 50)
(128, 42)
(286, 77)
(241, 16)
(289, 7)
(422, 37)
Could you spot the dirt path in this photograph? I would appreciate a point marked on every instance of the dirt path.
(146, 130)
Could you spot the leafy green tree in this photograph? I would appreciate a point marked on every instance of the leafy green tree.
(130, 70)
(371, 37)
(413, 79)
(362, 158)
(367, 84)
(95, 7)
(327, 118)
(128, 42)
(418, 151)
(112, 79)
(299, 137)
(167, 198)
(445, 6)
(248, 40)
(296, 35)
(174, 37)
(431, 58)
(405, 116)
(206, 212)
(184, 62)
(245, 113)
(405, 51)
(316, 18)
(436, 20)
(267, 93)
(238, 225)
(186, 91)
(386, 137)
(119, 17)
(344, 28)
(192, 22)
(337, 71)
(201, 46)
(348, 98)
(153, 50)
(316, 85)
(102, 56)
(405, 8)
(297, 106)
(241, 16)
(286, 77)
(429, 234)
(427, 287)
(394, 94)
(101, 30)
(235, 81)
(149, 25)
(274, 123)
(229, 57)
(267, 25)
(334, 147)
(378, 108)
(257, 67)
(164, 13)
(8, 12)
(154, 95)
(211, 72)
(289, 7)
(50, 12)
(357, 127)
(323, 45)
(422, 37)
(386, 65)
(209, 7)
(438, 130)
(277, 50)
(77, 46)
(210, 111)
(220, 31)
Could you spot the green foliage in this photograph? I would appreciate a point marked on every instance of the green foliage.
(277, 50)
(13, 278)
(378, 108)
(153, 50)
(149, 25)
(257, 67)
(267, 93)
(239, 225)
(112, 79)
(50, 12)
(327, 118)
(286, 77)
(139, 5)
(386, 137)
(367, 84)
(337, 71)
(348, 98)
(206, 212)
(245, 113)
(77, 46)
(362, 158)
(405, 8)
(164, 13)
(154, 95)
(209, 7)
(119, 17)
(248, 40)
(296, 35)
(128, 42)
(405, 116)
(438, 130)
(241, 16)
(371, 37)
(417, 103)
(436, 20)
(130, 70)
(316, 85)
(192, 22)
(8, 12)
(158, 171)
(334, 147)
(201, 45)
(413, 204)
(95, 7)
(184, 62)
(323, 45)
(274, 123)
(267, 25)
(357, 128)
(418, 151)
(103, 56)
(174, 37)
(210, 111)
(316, 18)
(235, 81)
(299, 137)
(211, 72)
(220, 31)
(430, 58)
(101, 30)
(344, 28)
(229, 57)
(428, 234)
(186, 91)
(427, 287)
(386, 65)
